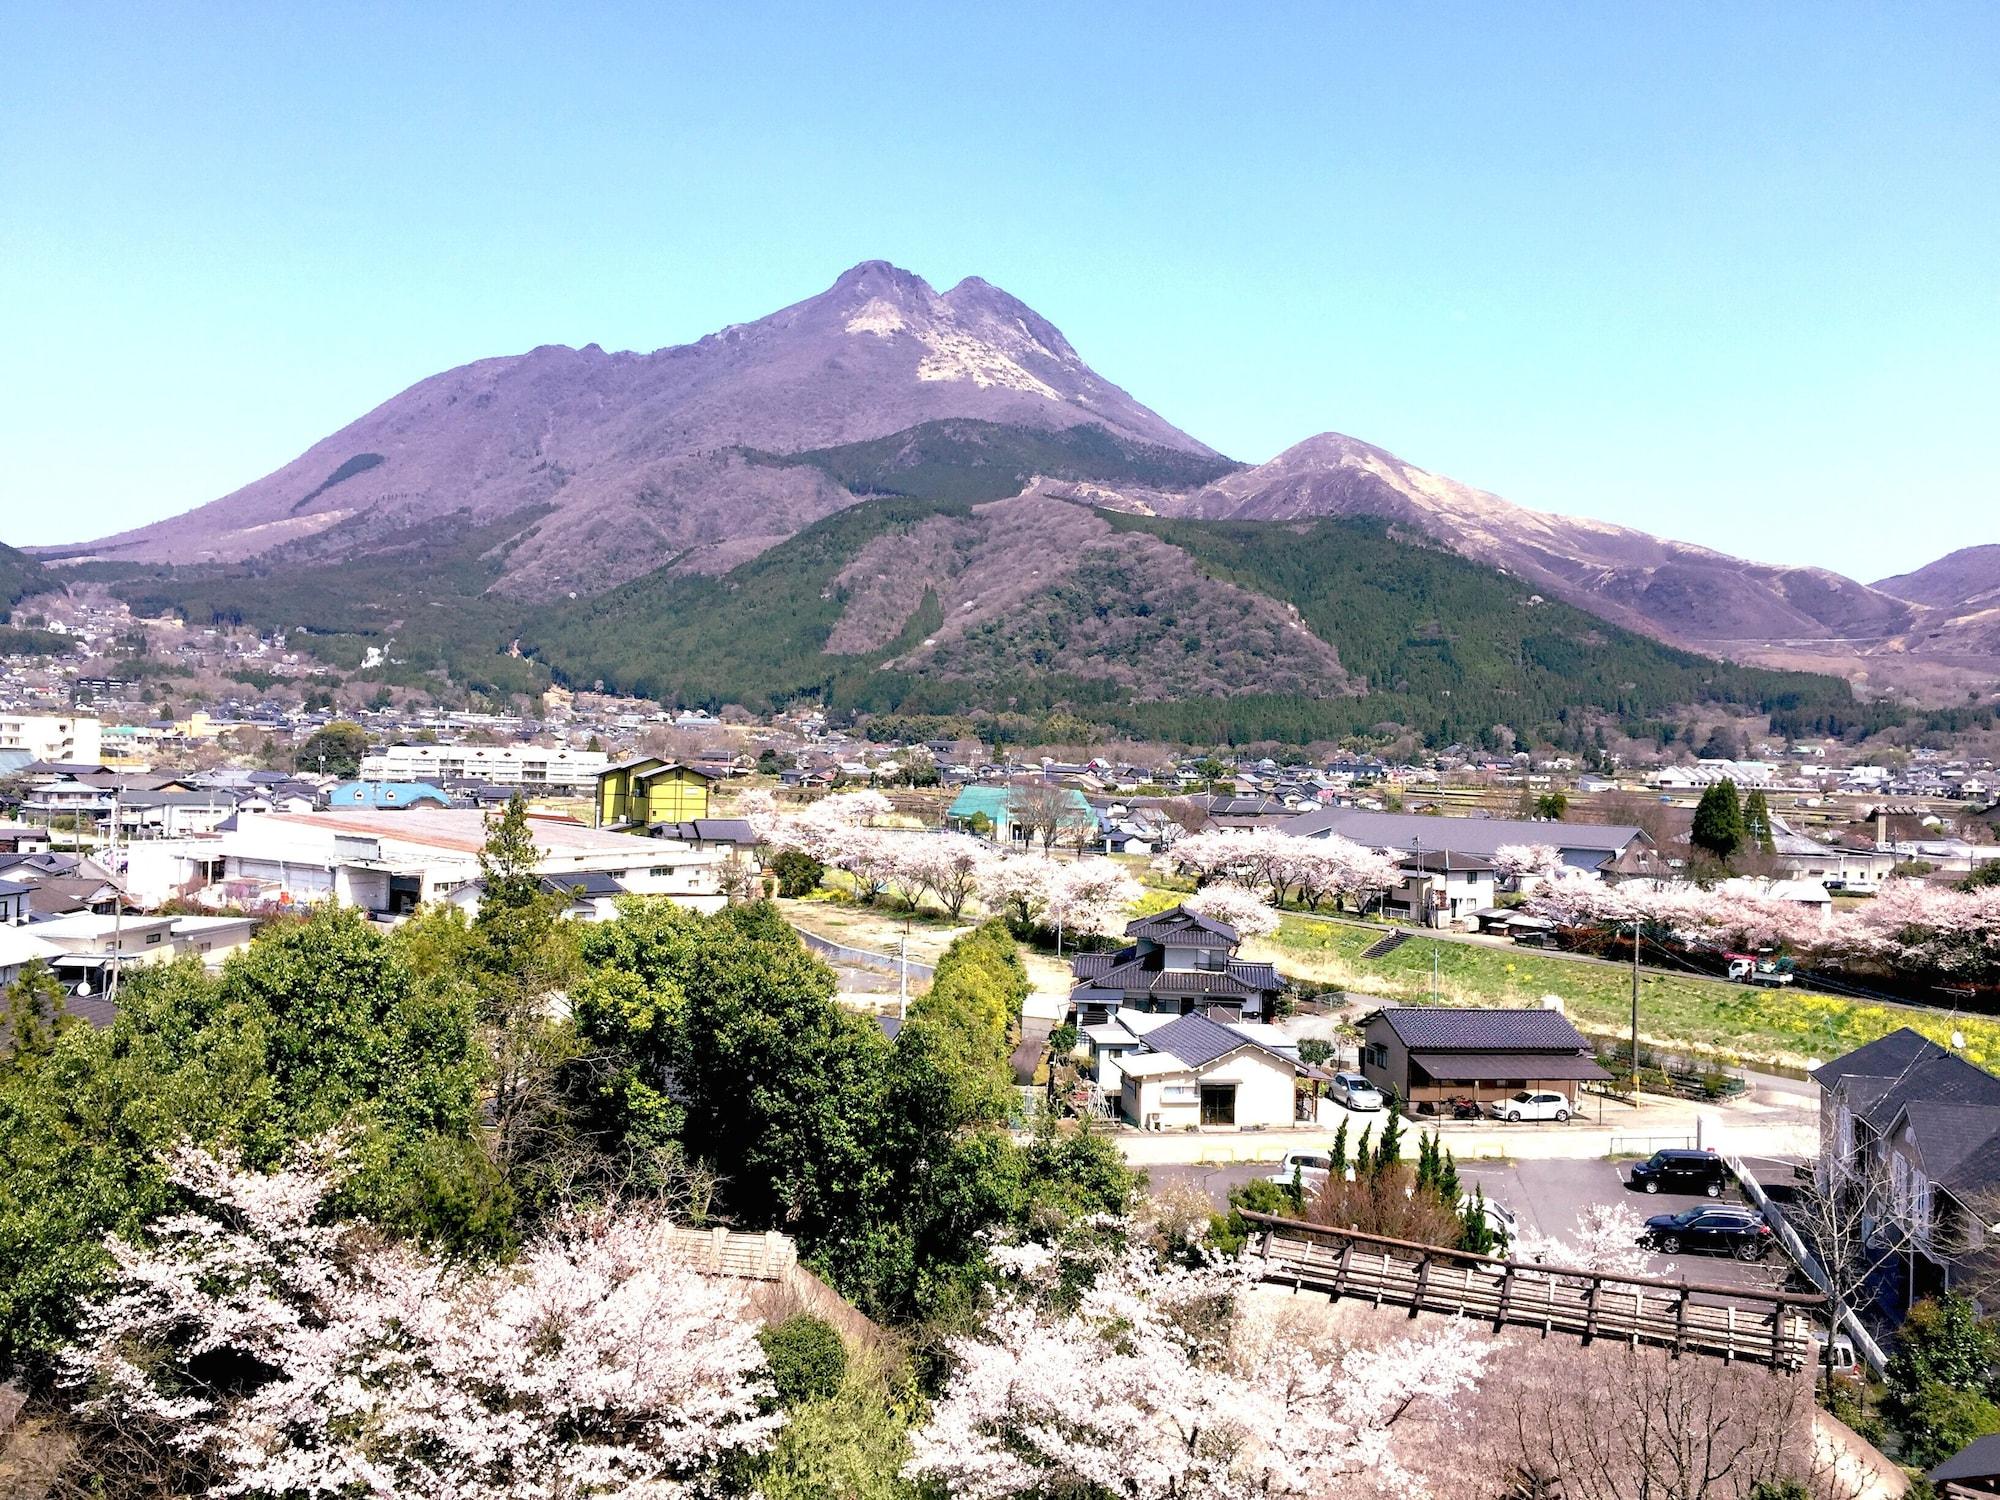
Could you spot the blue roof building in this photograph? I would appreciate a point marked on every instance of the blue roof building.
(386, 795)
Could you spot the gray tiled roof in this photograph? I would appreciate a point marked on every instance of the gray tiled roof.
(1198, 1041)
(1464, 835)
(1441, 1029)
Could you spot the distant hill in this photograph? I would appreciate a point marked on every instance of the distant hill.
(1200, 631)
(1678, 592)
(1966, 579)
(20, 576)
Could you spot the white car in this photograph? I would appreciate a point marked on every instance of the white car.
(1354, 1091)
(1531, 1104)
(1311, 1168)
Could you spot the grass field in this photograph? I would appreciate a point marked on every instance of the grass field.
(1687, 1013)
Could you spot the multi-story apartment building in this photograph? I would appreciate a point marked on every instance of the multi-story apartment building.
(66, 739)
(530, 767)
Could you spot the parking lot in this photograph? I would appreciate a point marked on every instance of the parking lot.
(1547, 1195)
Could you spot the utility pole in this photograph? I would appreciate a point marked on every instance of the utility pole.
(117, 902)
(1635, 1010)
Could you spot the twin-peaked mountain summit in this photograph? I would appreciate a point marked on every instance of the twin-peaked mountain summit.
(579, 471)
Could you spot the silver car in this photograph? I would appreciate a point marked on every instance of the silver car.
(1355, 1091)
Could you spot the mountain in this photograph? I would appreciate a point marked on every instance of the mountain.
(1966, 579)
(1194, 630)
(635, 460)
(440, 522)
(1680, 593)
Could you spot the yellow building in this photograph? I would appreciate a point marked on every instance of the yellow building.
(647, 791)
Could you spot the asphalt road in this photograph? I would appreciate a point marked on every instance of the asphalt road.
(1548, 1196)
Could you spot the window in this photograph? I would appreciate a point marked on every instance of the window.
(1179, 1093)
(661, 871)
(152, 937)
(1375, 1055)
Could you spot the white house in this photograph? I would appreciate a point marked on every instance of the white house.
(1441, 889)
(1196, 1072)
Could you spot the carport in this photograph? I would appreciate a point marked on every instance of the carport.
(1486, 1076)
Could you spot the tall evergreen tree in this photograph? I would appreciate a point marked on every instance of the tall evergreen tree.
(1448, 1187)
(507, 864)
(1757, 831)
(1390, 1146)
(1718, 820)
(1338, 1155)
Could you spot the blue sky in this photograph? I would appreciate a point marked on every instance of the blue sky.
(1730, 273)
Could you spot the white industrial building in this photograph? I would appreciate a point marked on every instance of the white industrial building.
(390, 863)
(528, 766)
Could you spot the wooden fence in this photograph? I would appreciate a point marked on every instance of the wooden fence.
(1733, 1323)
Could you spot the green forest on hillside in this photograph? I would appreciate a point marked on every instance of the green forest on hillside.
(1449, 648)
(20, 576)
(420, 596)
(963, 459)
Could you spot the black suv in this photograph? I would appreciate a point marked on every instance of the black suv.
(1680, 1172)
(1740, 1232)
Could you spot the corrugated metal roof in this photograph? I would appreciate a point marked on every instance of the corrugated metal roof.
(1535, 1067)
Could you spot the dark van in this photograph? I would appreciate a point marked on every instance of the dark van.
(1681, 1172)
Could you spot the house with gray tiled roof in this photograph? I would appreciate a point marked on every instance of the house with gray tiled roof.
(1176, 963)
(1595, 847)
(1910, 1131)
(1195, 1070)
(1426, 1055)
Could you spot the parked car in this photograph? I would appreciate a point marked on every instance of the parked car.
(1311, 1168)
(1740, 1232)
(1354, 1091)
(1531, 1104)
(1680, 1171)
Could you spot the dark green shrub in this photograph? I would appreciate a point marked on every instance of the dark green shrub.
(798, 874)
(806, 1357)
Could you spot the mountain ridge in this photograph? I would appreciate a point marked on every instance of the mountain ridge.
(701, 456)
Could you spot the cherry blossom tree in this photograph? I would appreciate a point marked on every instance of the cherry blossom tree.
(1152, 1386)
(276, 1354)
(1089, 898)
(1518, 863)
(1236, 906)
(1605, 1240)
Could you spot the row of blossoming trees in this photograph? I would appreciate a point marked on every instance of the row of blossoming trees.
(251, 1344)
(1911, 925)
(1066, 897)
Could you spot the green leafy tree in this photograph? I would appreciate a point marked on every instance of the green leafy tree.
(31, 1014)
(335, 749)
(1942, 1378)
(1718, 820)
(799, 874)
(1552, 805)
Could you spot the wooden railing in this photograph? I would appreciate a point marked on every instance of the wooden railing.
(1731, 1322)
